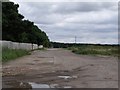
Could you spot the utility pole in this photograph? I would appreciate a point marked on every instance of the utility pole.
(75, 39)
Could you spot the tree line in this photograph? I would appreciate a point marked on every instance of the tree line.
(16, 28)
(66, 45)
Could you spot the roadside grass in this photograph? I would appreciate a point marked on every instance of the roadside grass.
(10, 54)
(95, 50)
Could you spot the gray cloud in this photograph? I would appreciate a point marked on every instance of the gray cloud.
(82, 7)
(70, 7)
(91, 22)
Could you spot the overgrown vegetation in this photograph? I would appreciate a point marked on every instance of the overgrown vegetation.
(16, 28)
(10, 54)
(90, 49)
(95, 50)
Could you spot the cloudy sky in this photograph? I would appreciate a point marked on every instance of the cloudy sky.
(90, 22)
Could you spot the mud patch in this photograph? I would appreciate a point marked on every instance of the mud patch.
(16, 84)
(31, 63)
(45, 57)
(36, 60)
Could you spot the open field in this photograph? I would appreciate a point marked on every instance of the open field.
(95, 50)
(59, 68)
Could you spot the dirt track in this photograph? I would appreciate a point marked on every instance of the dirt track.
(62, 69)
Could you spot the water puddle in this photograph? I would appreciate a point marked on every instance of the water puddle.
(65, 77)
(35, 85)
(67, 87)
(68, 77)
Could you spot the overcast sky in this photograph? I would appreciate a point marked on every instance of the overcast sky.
(90, 22)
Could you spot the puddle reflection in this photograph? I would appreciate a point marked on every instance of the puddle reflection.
(32, 86)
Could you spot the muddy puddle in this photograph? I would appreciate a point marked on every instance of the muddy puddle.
(35, 85)
(12, 82)
(32, 85)
(68, 77)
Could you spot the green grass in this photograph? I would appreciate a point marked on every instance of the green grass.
(95, 50)
(10, 54)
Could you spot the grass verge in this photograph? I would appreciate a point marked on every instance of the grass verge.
(10, 54)
(96, 50)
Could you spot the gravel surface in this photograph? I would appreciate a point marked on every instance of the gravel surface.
(63, 69)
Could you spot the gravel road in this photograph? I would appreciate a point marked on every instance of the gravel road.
(59, 68)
